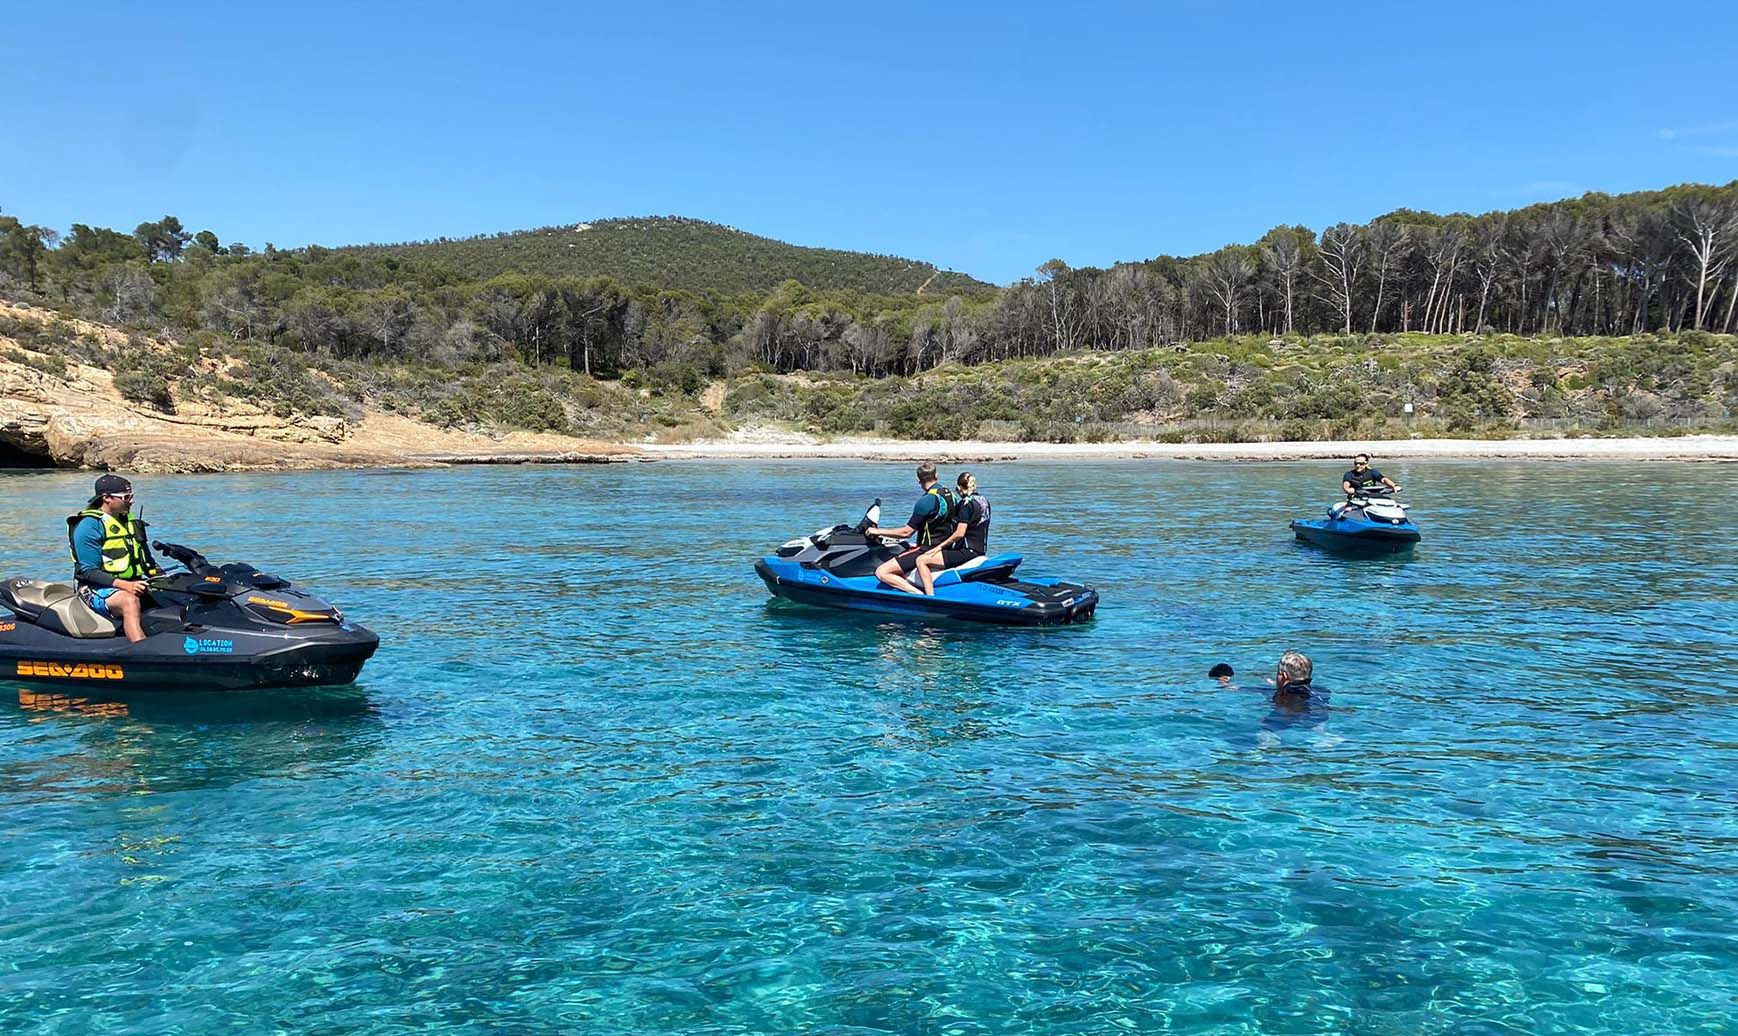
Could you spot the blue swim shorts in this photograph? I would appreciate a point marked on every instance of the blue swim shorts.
(97, 599)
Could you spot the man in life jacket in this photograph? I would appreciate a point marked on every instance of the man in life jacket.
(929, 524)
(110, 557)
(969, 539)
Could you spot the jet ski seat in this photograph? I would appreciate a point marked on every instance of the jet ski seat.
(55, 606)
(979, 568)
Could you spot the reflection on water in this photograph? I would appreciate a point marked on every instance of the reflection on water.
(1296, 711)
(144, 741)
(595, 782)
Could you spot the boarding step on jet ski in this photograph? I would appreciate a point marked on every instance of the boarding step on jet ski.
(210, 627)
(835, 568)
(1371, 522)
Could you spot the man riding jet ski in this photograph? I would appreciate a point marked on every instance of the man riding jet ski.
(207, 627)
(927, 525)
(837, 567)
(1369, 520)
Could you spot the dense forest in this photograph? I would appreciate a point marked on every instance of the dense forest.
(672, 252)
(1596, 265)
(1653, 268)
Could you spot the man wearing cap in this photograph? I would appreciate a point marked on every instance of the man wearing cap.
(110, 556)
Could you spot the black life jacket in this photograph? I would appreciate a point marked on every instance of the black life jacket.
(941, 524)
(977, 535)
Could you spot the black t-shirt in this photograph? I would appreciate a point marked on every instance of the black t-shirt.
(1360, 479)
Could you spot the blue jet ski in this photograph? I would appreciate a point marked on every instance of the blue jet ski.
(835, 568)
(1372, 522)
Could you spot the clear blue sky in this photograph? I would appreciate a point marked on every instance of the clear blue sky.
(985, 138)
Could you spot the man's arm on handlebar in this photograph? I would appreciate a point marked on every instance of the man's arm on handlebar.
(890, 534)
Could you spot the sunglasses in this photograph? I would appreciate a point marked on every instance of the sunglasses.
(119, 496)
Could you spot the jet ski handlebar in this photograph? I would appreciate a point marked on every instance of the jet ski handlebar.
(189, 558)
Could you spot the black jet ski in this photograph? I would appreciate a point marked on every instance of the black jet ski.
(836, 568)
(209, 627)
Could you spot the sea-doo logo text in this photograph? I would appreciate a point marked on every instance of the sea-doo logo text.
(195, 646)
(81, 671)
(269, 603)
(8, 627)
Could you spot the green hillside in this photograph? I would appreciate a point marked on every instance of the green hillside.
(669, 251)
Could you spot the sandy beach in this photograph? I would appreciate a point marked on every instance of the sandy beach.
(765, 446)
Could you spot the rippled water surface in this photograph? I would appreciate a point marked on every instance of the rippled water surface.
(594, 781)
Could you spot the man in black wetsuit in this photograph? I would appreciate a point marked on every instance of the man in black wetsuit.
(1296, 700)
(1363, 475)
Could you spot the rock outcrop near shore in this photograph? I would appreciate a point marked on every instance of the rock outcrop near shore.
(60, 413)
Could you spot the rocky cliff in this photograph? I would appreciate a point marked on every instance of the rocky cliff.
(57, 411)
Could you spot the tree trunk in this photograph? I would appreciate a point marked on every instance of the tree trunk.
(1702, 258)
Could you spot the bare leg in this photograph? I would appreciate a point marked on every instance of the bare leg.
(889, 573)
(927, 566)
(126, 603)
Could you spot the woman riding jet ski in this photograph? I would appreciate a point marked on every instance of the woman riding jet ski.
(207, 627)
(836, 568)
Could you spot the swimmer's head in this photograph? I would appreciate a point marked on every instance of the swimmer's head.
(1294, 668)
(1222, 671)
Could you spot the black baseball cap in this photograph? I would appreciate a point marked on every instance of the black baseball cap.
(115, 484)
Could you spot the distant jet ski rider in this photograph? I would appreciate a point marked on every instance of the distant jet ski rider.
(1362, 476)
(110, 556)
(928, 525)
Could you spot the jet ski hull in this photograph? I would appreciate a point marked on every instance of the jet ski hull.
(1357, 536)
(207, 628)
(1001, 600)
(211, 659)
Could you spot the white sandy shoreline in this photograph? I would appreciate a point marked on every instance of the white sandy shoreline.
(1688, 447)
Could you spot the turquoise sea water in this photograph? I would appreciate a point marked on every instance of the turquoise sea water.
(594, 782)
